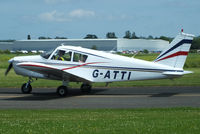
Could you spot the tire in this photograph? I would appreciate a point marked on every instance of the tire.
(62, 91)
(86, 88)
(26, 90)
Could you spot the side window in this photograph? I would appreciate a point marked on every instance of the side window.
(79, 57)
(67, 56)
(62, 55)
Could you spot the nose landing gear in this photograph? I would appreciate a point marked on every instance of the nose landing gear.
(26, 87)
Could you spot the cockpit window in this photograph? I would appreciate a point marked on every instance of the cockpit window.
(79, 57)
(47, 54)
(62, 55)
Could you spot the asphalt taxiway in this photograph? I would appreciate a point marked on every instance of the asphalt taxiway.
(133, 97)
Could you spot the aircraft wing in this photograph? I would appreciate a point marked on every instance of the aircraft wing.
(50, 71)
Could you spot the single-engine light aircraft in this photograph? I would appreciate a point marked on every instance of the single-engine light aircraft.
(77, 64)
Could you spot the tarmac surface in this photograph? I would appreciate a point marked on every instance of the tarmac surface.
(133, 97)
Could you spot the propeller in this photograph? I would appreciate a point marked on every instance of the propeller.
(9, 67)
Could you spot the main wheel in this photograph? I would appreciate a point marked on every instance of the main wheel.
(86, 88)
(62, 91)
(26, 88)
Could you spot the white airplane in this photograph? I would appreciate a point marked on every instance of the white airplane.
(77, 64)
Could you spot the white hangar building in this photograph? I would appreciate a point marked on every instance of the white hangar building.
(101, 44)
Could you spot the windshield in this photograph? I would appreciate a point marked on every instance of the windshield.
(47, 54)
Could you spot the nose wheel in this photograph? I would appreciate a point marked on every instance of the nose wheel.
(26, 88)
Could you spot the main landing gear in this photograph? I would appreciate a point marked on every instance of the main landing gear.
(86, 88)
(63, 90)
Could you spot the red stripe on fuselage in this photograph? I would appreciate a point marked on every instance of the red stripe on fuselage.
(81, 65)
(174, 55)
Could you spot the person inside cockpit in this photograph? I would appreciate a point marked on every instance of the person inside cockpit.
(60, 55)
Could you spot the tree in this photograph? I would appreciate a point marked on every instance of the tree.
(133, 36)
(150, 37)
(145, 51)
(29, 37)
(166, 38)
(57, 37)
(127, 35)
(196, 43)
(91, 36)
(111, 35)
(43, 38)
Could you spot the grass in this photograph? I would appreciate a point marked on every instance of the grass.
(193, 60)
(106, 121)
(5, 57)
(148, 57)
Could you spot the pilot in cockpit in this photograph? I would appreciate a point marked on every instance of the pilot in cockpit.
(60, 55)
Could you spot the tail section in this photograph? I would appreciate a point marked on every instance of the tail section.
(175, 55)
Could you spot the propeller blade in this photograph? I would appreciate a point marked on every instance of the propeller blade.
(8, 69)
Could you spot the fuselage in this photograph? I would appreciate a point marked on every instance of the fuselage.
(99, 66)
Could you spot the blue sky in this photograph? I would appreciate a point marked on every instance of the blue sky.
(76, 18)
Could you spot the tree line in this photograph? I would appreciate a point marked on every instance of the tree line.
(110, 35)
(127, 35)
